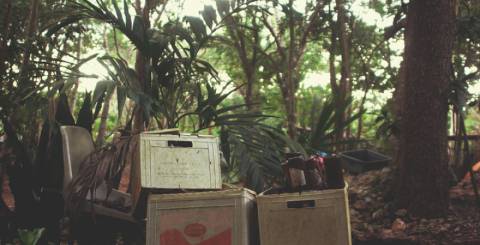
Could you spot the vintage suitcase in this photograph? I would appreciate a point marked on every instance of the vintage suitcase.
(179, 161)
(307, 218)
(226, 217)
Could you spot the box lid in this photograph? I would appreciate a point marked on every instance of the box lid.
(205, 195)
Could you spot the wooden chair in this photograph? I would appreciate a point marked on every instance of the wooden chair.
(77, 145)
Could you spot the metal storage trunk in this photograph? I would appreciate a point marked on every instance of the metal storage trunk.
(179, 161)
(202, 218)
(309, 218)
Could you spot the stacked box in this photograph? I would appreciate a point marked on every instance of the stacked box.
(225, 217)
(179, 161)
(307, 218)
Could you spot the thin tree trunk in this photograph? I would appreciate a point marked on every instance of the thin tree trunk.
(249, 93)
(5, 36)
(289, 83)
(333, 73)
(422, 181)
(360, 119)
(102, 128)
(31, 30)
(331, 59)
(291, 114)
(73, 93)
(248, 64)
(344, 46)
(290, 56)
(348, 129)
(345, 85)
(140, 68)
(288, 92)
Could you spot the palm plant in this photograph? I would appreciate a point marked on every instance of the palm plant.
(325, 126)
(177, 85)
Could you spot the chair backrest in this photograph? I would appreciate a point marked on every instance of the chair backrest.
(77, 145)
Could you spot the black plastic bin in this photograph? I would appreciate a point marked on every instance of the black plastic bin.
(359, 161)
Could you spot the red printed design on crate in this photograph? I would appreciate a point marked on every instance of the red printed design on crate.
(197, 226)
(175, 237)
(195, 230)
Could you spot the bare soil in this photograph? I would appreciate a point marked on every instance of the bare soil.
(375, 220)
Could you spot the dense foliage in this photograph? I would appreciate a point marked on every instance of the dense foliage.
(265, 76)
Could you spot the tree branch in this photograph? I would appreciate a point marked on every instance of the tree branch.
(280, 47)
(391, 31)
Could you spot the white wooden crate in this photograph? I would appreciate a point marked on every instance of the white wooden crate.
(179, 161)
(203, 218)
(307, 218)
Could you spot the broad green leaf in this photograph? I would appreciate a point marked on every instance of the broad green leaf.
(30, 237)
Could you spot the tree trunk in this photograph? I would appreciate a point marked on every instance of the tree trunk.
(31, 30)
(140, 68)
(73, 92)
(345, 72)
(102, 128)
(344, 46)
(249, 64)
(422, 181)
(360, 110)
(252, 92)
(5, 36)
(288, 92)
(331, 63)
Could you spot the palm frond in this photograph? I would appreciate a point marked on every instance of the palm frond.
(102, 166)
(327, 126)
(254, 154)
(85, 116)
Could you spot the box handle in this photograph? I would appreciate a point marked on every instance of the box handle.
(178, 143)
(174, 131)
(301, 204)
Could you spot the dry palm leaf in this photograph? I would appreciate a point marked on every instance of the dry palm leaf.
(102, 166)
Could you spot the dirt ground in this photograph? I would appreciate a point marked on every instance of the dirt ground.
(375, 221)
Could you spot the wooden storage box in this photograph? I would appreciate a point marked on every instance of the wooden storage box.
(202, 218)
(309, 218)
(179, 161)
